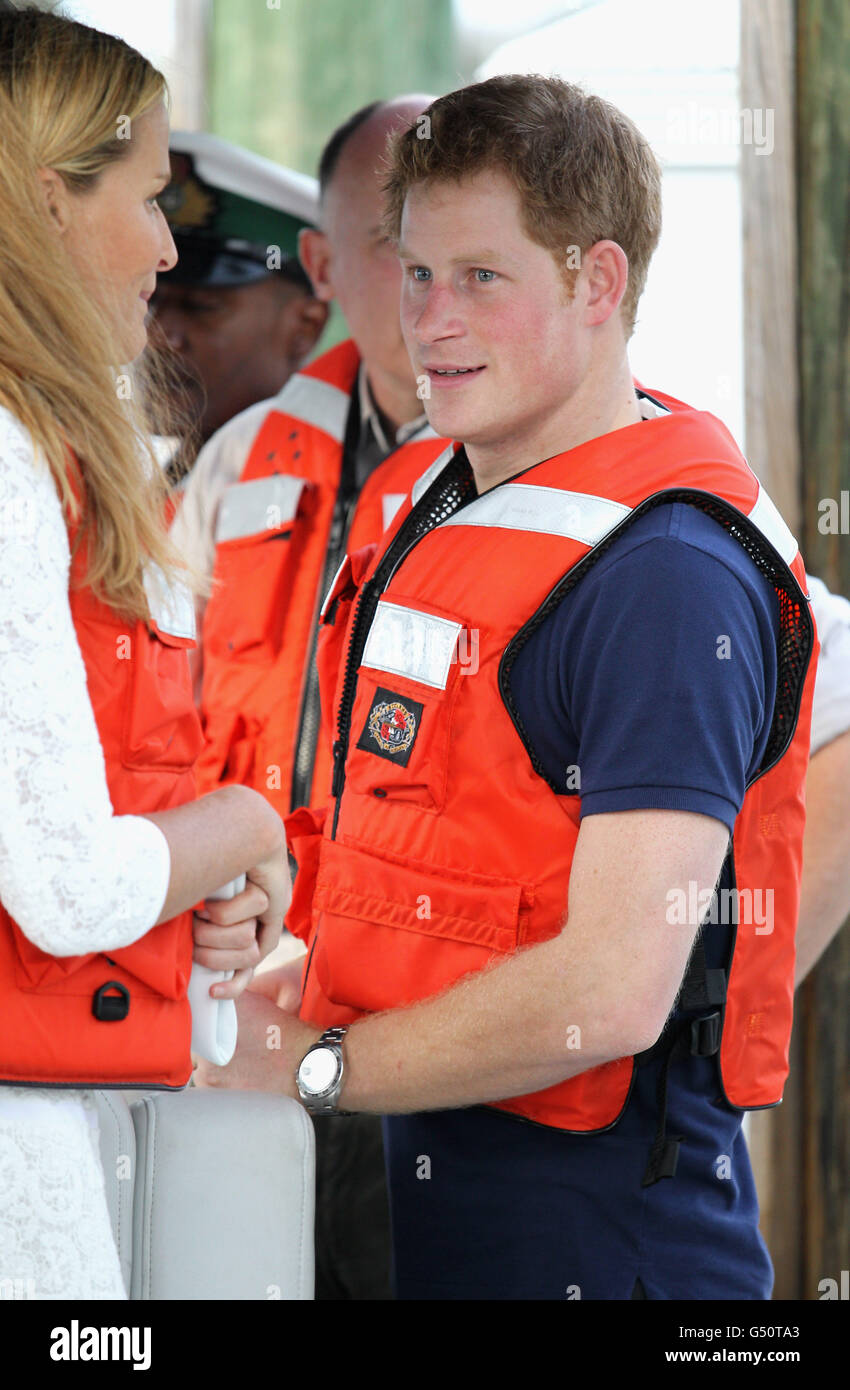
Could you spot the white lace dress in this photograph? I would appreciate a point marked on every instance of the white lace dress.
(74, 876)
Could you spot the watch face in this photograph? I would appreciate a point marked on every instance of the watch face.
(319, 1070)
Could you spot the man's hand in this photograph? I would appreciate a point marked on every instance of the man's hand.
(270, 1046)
(282, 985)
(228, 936)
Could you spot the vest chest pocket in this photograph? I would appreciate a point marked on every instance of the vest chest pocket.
(407, 686)
(260, 534)
(160, 727)
(139, 681)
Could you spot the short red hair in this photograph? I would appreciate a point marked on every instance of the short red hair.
(583, 171)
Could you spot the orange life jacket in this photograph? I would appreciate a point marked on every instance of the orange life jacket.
(121, 1019)
(443, 849)
(280, 535)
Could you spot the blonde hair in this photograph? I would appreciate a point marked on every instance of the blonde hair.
(582, 169)
(64, 88)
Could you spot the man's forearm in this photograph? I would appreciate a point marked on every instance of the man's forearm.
(599, 990)
(515, 1028)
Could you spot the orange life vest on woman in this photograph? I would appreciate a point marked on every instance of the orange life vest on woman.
(121, 1019)
(279, 538)
(444, 849)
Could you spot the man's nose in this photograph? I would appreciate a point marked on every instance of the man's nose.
(438, 316)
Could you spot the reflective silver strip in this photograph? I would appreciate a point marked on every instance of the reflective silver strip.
(263, 504)
(390, 503)
(768, 519)
(405, 642)
(316, 403)
(579, 516)
(172, 606)
(521, 507)
(424, 482)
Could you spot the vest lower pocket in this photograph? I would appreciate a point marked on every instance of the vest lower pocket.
(304, 837)
(254, 575)
(34, 968)
(159, 962)
(63, 1023)
(240, 760)
(388, 934)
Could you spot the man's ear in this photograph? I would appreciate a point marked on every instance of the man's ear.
(606, 270)
(56, 197)
(315, 256)
(310, 317)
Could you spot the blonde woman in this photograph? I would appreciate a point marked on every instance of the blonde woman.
(104, 849)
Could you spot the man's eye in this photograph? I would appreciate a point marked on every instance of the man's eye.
(490, 275)
(419, 273)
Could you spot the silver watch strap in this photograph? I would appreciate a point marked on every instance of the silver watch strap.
(325, 1105)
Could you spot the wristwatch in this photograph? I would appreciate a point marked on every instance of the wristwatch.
(320, 1072)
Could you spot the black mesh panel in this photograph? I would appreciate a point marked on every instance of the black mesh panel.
(796, 631)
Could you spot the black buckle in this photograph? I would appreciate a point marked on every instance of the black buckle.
(111, 1008)
(715, 987)
(705, 1035)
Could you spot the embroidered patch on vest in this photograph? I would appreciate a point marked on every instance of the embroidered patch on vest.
(391, 727)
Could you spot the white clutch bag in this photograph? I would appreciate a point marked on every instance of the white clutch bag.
(213, 1020)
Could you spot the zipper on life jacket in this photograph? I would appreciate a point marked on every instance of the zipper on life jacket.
(310, 715)
(402, 544)
(410, 533)
(412, 530)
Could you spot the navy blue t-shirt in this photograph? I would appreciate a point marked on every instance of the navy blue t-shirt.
(654, 677)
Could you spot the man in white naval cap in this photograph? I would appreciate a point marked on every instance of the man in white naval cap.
(237, 312)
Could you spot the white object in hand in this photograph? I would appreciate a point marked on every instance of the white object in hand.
(213, 1020)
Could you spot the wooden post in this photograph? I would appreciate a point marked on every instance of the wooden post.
(768, 203)
(770, 251)
(823, 158)
(795, 59)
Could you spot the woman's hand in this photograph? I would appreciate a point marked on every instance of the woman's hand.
(272, 876)
(237, 933)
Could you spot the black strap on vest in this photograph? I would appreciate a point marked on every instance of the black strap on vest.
(310, 718)
(703, 990)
